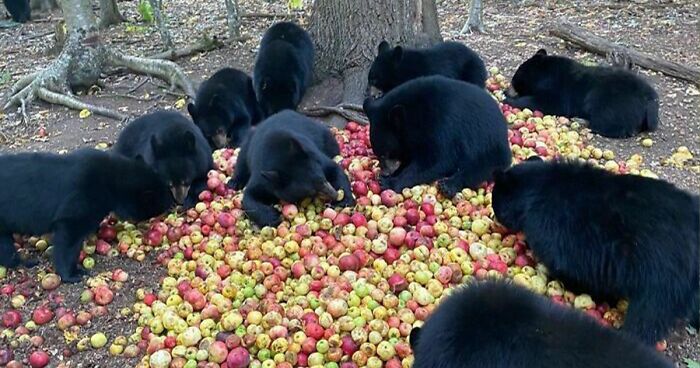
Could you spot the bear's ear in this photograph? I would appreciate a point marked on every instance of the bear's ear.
(397, 115)
(398, 54)
(155, 145)
(367, 105)
(383, 47)
(534, 158)
(192, 109)
(271, 176)
(541, 52)
(414, 337)
(295, 147)
(214, 101)
(499, 176)
(188, 141)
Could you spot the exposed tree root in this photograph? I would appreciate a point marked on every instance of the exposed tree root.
(163, 69)
(350, 112)
(51, 83)
(74, 103)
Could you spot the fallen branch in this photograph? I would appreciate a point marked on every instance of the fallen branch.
(204, 45)
(266, 15)
(590, 42)
(350, 112)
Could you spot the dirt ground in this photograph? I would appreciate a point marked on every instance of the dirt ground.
(664, 28)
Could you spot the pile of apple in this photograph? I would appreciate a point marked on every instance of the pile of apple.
(331, 287)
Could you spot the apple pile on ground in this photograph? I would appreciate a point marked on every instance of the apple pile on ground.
(327, 287)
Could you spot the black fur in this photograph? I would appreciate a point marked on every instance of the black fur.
(283, 68)
(612, 236)
(226, 108)
(616, 102)
(173, 146)
(494, 324)
(19, 10)
(287, 157)
(69, 195)
(394, 66)
(438, 129)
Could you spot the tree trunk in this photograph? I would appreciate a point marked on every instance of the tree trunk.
(80, 63)
(346, 35)
(162, 25)
(233, 18)
(109, 13)
(43, 5)
(474, 22)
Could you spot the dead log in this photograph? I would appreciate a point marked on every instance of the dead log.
(590, 42)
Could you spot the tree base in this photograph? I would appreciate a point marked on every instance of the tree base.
(54, 83)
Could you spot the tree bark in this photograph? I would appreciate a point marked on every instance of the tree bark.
(590, 42)
(475, 22)
(162, 25)
(233, 18)
(346, 35)
(43, 5)
(82, 60)
(109, 13)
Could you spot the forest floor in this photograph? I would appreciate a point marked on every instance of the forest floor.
(664, 28)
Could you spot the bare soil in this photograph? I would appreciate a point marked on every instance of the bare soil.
(516, 30)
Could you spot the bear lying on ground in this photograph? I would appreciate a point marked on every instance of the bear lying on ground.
(19, 10)
(225, 108)
(69, 195)
(288, 157)
(173, 146)
(495, 324)
(283, 68)
(435, 128)
(615, 102)
(394, 66)
(612, 236)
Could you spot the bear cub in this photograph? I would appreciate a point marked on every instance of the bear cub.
(394, 66)
(288, 157)
(173, 146)
(283, 68)
(615, 102)
(436, 128)
(69, 195)
(19, 10)
(496, 324)
(612, 236)
(225, 108)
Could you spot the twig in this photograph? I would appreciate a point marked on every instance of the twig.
(347, 113)
(132, 90)
(40, 35)
(122, 95)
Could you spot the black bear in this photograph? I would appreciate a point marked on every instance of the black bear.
(436, 128)
(612, 236)
(288, 157)
(616, 102)
(173, 146)
(225, 108)
(68, 195)
(19, 10)
(495, 324)
(393, 67)
(283, 68)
